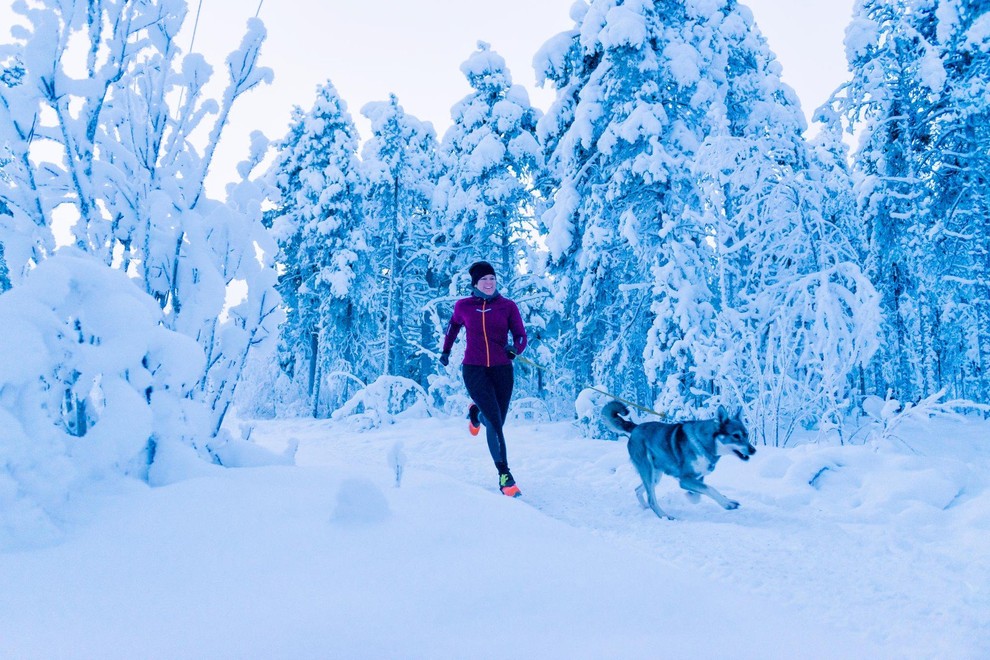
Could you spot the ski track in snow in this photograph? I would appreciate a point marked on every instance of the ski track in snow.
(890, 573)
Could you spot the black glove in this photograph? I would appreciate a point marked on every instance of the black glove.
(445, 359)
(512, 351)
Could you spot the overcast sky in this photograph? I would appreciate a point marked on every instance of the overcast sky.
(414, 49)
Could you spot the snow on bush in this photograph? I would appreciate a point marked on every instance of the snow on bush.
(447, 395)
(446, 391)
(386, 401)
(588, 407)
(529, 410)
(887, 418)
(91, 385)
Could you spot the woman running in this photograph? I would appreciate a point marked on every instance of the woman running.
(488, 318)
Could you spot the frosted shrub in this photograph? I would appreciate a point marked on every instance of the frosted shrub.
(91, 384)
(385, 401)
(104, 96)
(529, 409)
(588, 408)
(888, 418)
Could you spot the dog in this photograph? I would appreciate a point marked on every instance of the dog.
(686, 451)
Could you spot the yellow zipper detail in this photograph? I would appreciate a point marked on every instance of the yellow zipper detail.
(484, 330)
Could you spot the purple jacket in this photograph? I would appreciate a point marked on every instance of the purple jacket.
(488, 323)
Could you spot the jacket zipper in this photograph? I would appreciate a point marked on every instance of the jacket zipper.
(484, 330)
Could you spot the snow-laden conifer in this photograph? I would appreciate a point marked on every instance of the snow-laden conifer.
(327, 280)
(627, 248)
(490, 157)
(959, 176)
(917, 99)
(400, 164)
(486, 198)
(796, 315)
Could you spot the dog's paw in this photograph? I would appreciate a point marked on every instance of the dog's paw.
(732, 504)
(694, 497)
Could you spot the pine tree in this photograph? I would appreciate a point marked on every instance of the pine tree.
(486, 198)
(792, 300)
(624, 233)
(490, 157)
(400, 160)
(959, 175)
(922, 192)
(327, 282)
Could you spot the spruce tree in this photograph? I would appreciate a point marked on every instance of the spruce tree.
(486, 199)
(920, 188)
(400, 165)
(627, 248)
(959, 175)
(490, 157)
(792, 299)
(326, 279)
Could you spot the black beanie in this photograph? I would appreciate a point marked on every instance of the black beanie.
(478, 270)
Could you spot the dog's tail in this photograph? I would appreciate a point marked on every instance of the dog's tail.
(613, 412)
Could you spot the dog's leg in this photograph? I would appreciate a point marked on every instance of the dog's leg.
(641, 496)
(656, 508)
(651, 500)
(648, 474)
(701, 488)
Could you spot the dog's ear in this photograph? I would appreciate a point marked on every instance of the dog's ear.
(738, 415)
(722, 415)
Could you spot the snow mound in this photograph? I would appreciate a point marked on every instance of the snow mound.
(359, 501)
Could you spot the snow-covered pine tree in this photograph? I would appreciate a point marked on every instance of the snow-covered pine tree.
(959, 176)
(400, 161)
(489, 157)
(117, 116)
(896, 78)
(327, 280)
(485, 199)
(627, 248)
(918, 98)
(794, 312)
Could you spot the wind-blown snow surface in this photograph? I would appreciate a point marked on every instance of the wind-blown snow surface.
(836, 552)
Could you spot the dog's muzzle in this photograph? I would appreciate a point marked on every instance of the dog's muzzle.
(749, 451)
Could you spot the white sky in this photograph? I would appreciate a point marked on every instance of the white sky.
(414, 49)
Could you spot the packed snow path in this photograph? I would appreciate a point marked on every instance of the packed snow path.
(836, 552)
(890, 545)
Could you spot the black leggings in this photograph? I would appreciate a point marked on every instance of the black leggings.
(491, 389)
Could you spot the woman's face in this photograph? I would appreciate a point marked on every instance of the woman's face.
(487, 285)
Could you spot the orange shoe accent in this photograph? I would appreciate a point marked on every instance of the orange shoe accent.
(511, 491)
(472, 427)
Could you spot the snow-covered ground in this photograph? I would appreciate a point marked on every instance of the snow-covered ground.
(836, 552)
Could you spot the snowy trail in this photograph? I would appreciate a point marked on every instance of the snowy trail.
(891, 568)
(885, 556)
